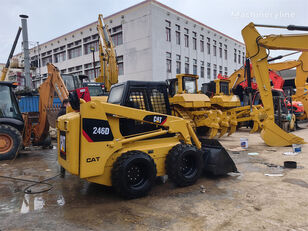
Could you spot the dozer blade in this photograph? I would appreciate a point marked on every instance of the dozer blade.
(216, 159)
(213, 133)
(232, 130)
(274, 136)
(223, 131)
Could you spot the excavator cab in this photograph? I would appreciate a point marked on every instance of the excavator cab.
(71, 82)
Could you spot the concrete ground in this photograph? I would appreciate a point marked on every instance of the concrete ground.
(246, 201)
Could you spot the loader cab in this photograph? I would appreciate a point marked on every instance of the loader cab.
(143, 95)
(9, 109)
(183, 83)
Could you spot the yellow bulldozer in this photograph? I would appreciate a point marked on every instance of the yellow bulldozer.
(190, 104)
(133, 138)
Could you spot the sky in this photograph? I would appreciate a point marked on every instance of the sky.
(49, 19)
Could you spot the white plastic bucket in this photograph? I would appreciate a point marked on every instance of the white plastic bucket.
(297, 148)
(244, 142)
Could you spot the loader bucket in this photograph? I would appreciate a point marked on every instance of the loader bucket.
(274, 136)
(216, 159)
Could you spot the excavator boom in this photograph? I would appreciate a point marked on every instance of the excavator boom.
(108, 61)
(256, 46)
(53, 83)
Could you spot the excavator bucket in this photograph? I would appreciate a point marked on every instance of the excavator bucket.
(52, 114)
(274, 136)
(217, 161)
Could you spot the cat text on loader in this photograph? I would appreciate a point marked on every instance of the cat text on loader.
(256, 46)
(127, 148)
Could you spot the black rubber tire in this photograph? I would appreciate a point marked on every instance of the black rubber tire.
(128, 165)
(184, 175)
(15, 138)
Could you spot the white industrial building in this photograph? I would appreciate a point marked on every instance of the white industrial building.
(152, 42)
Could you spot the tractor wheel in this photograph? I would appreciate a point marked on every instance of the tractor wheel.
(184, 165)
(133, 174)
(10, 142)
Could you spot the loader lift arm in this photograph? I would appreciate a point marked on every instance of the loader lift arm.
(108, 61)
(256, 46)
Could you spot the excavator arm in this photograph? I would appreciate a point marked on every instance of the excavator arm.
(301, 82)
(53, 83)
(256, 46)
(108, 61)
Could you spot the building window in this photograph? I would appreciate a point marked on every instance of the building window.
(202, 69)
(239, 57)
(168, 31)
(215, 71)
(87, 39)
(235, 55)
(168, 61)
(220, 50)
(194, 40)
(243, 58)
(208, 71)
(75, 52)
(178, 37)
(186, 38)
(46, 60)
(88, 46)
(195, 66)
(214, 48)
(220, 70)
(60, 57)
(120, 63)
(208, 46)
(226, 52)
(201, 43)
(91, 73)
(117, 39)
(186, 65)
(226, 71)
(178, 64)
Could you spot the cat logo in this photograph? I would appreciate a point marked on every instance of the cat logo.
(157, 119)
(93, 159)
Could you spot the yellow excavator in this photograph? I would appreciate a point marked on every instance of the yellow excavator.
(108, 60)
(256, 46)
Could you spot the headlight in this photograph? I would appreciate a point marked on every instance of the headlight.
(300, 104)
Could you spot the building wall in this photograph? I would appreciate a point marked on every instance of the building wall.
(145, 48)
(161, 46)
